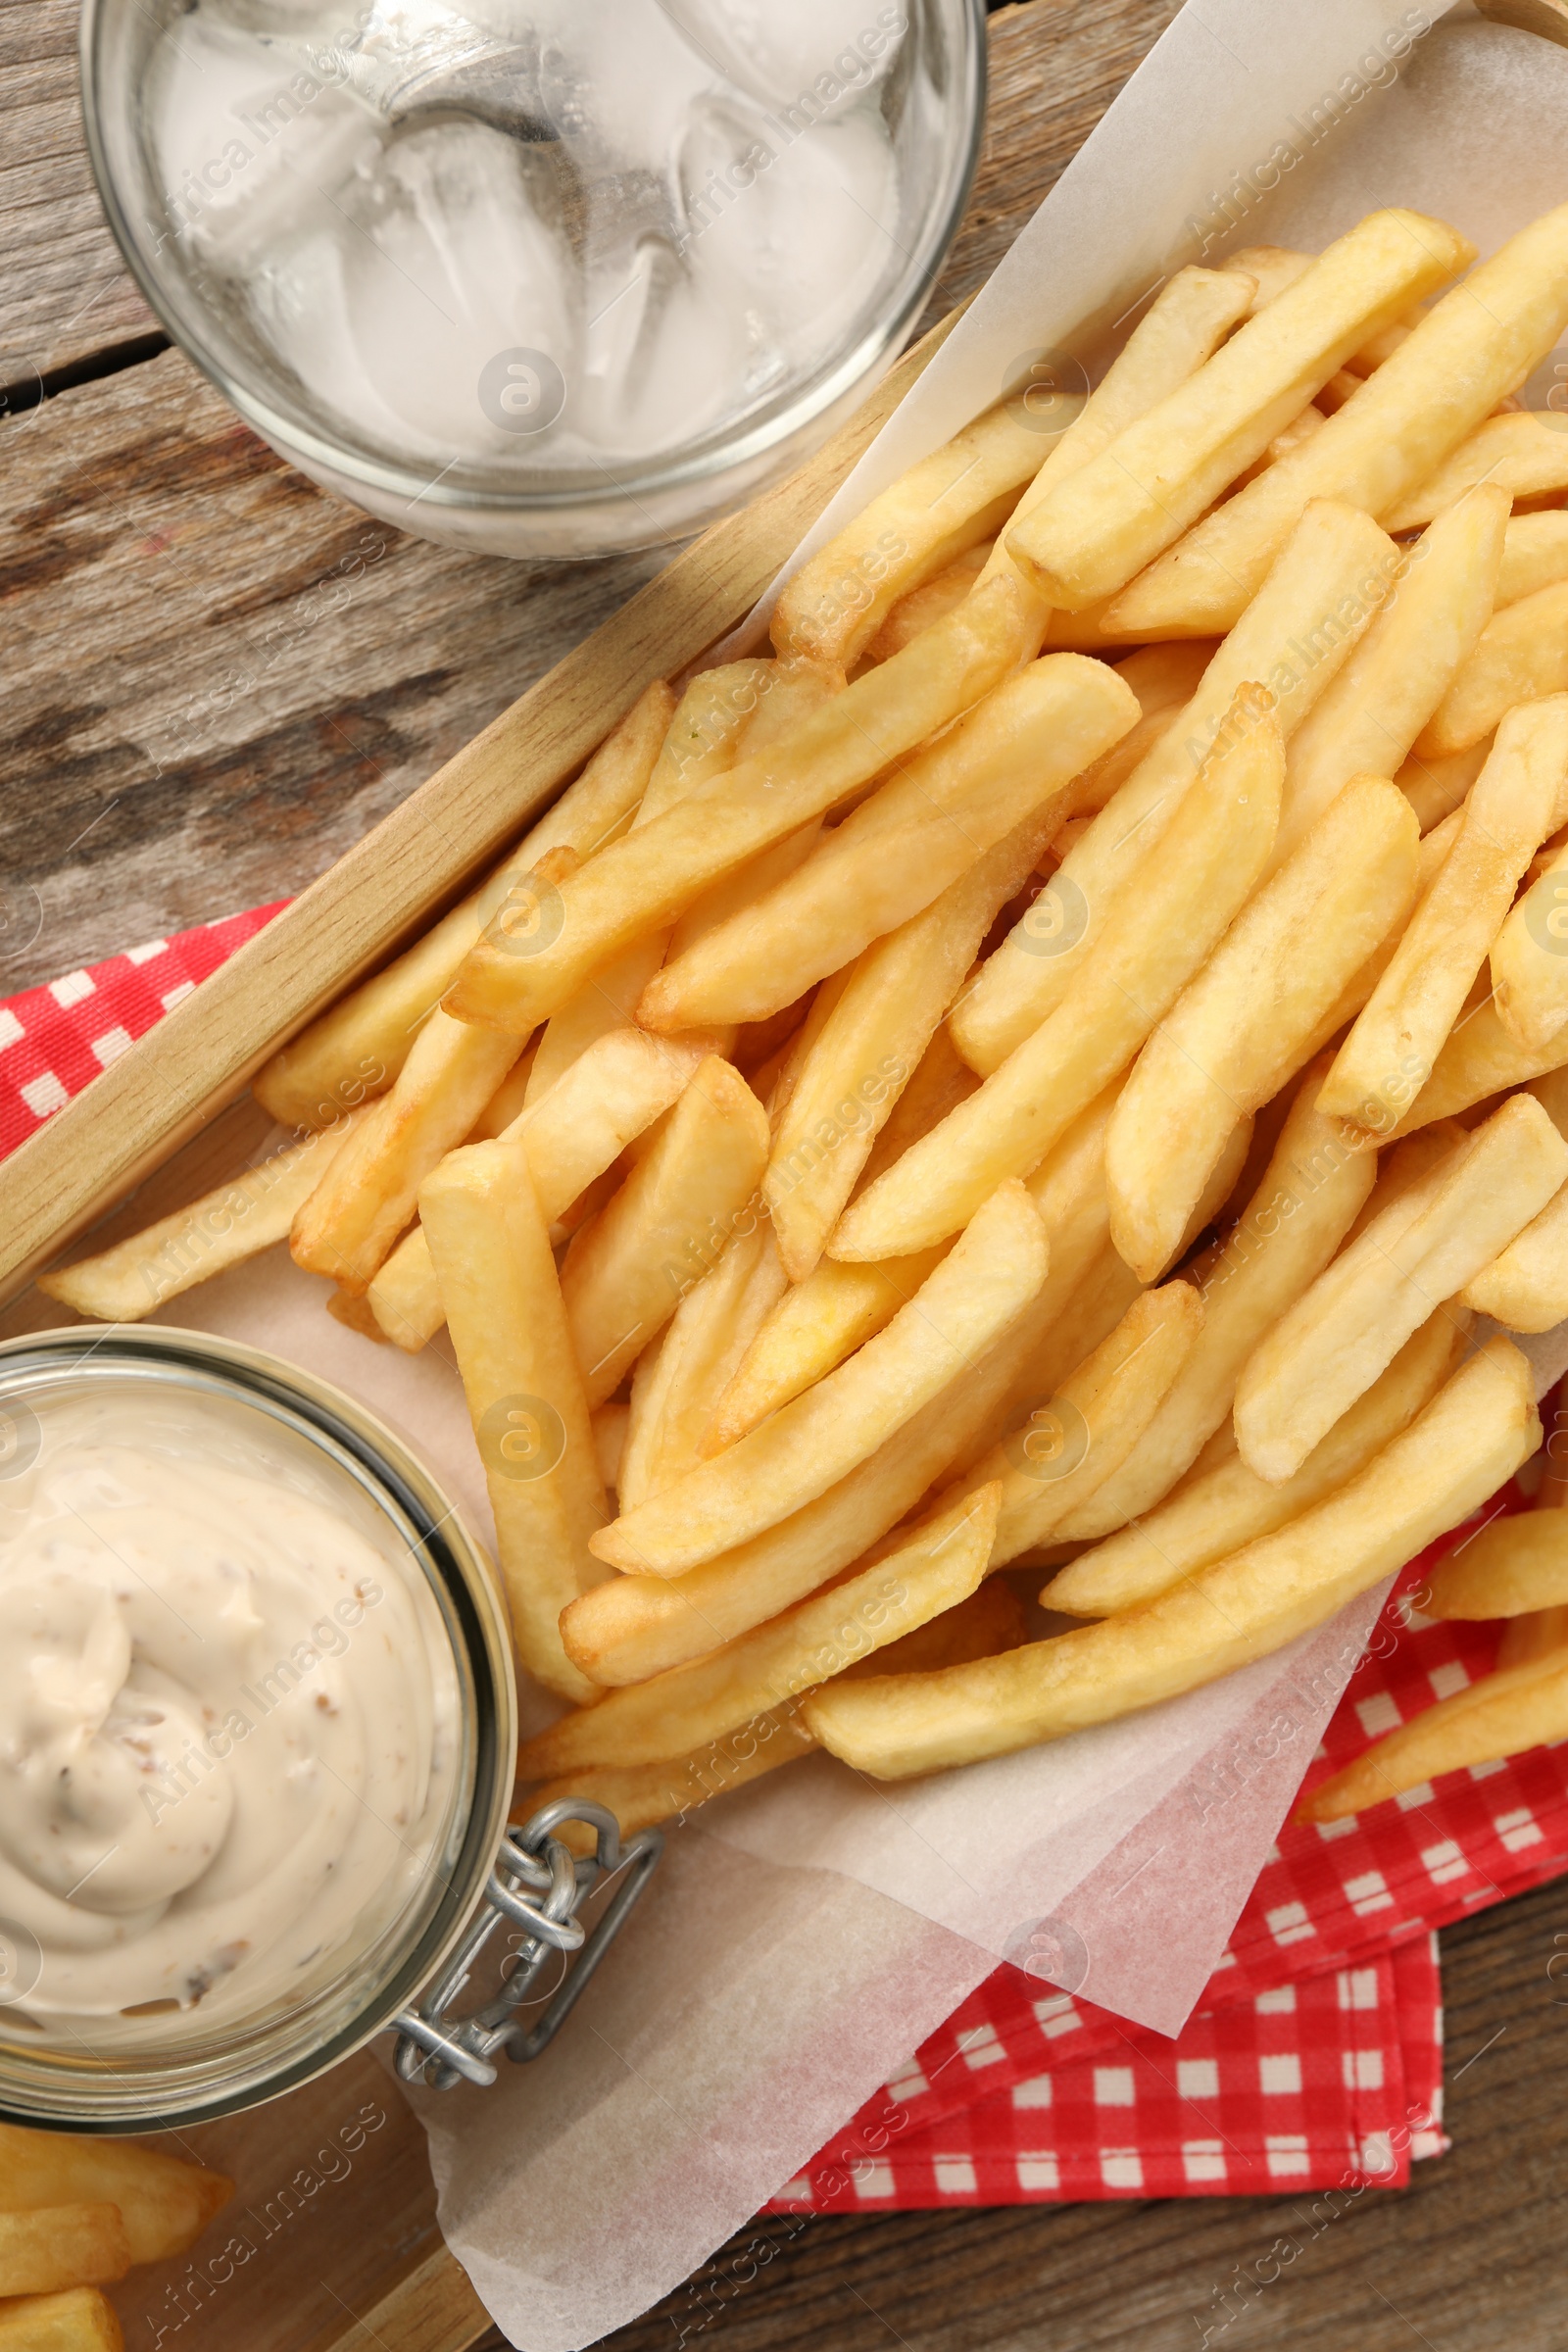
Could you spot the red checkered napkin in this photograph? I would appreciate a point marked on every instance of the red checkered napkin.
(1333, 2080)
(956, 2127)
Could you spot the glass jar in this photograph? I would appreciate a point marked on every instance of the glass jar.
(159, 2064)
(618, 410)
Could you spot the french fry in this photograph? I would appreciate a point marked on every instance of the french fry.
(604, 1002)
(1436, 789)
(1248, 1020)
(919, 608)
(647, 881)
(1300, 428)
(941, 1080)
(525, 1395)
(837, 601)
(1183, 326)
(867, 1034)
(80, 2319)
(643, 1795)
(920, 832)
(808, 1332)
(1274, 267)
(224, 1227)
(963, 1306)
(1533, 1636)
(1322, 593)
(677, 1383)
(611, 1095)
(636, 1626)
(1308, 1195)
(1518, 456)
(1524, 1287)
(1479, 1059)
(627, 1269)
(1048, 1467)
(1522, 1707)
(1516, 801)
(1522, 654)
(52, 2247)
(1478, 1429)
(1164, 678)
(926, 1570)
(1161, 928)
(1509, 1567)
(351, 1222)
(991, 1619)
(364, 1041)
(164, 2204)
(1219, 1506)
(352, 1310)
(705, 731)
(1530, 954)
(1116, 514)
(510, 1100)
(1534, 555)
(1328, 1348)
(1426, 629)
(1463, 357)
(610, 1425)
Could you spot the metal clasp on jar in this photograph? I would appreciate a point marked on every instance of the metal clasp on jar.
(539, 1887)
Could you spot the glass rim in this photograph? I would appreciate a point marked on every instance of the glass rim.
(873, 346)
(125, 2092)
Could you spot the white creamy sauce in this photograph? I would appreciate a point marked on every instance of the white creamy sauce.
(228, 1716)
(716, 200)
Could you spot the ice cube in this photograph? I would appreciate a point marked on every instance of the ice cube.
(662, 357)
(825, 53)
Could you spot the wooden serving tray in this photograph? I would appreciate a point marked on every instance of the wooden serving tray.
(335, 2208)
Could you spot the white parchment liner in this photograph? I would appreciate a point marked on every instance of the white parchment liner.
(805, 1934)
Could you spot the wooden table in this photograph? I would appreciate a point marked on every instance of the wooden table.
(200, 712)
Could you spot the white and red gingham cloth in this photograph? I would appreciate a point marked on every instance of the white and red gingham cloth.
(1315, 2060)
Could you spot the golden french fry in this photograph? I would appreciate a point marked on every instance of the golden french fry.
(868, 1030)
(920, 832)
(525, 1393)
(226, 1226)
(1274, 267)
(1460, 359)
(1522, 654)
(810, 1333)
(1517, 455)
(1534, 555)
(1162, 926)
(1188, 319)
(604, 1002)
(1533, 1636)
(1300, 428)
(1514, 805)
(838, 599)
(641, 1794)
(646, 881)
(1164, 678)
(1219, 1506)
(628, 1268)
(1050, 1466)
(636, 1626)
(742, 889)
(1530, 954)
(1436, 789)
(351, 1222)
(1478, 1428)
(705, 731)
(1426, 1245)
(510, 1100)
(672, 1400)
(1252, 1014)
(52, 2247)
(358, 1047)
(962, 1307)
(1427, 628)
(1509, 1567)
(166, 2204)
(1320, 596)
(352, 1310)
(1106, 521)
(991, 1619)
(1308, 1195)
(611, 1095)
(1521, 1706)
(1524, 1287)
(922, 1571)
(922, 607)
(1479, 1060)
(941, 1080)
(609, 1424)
(80, 2319)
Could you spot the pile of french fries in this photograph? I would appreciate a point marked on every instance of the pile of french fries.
(1061, 1065)
(76, 2214)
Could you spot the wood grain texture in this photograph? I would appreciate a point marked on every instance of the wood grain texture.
(64, 290)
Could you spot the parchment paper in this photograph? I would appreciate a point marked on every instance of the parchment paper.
(805, 1936)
